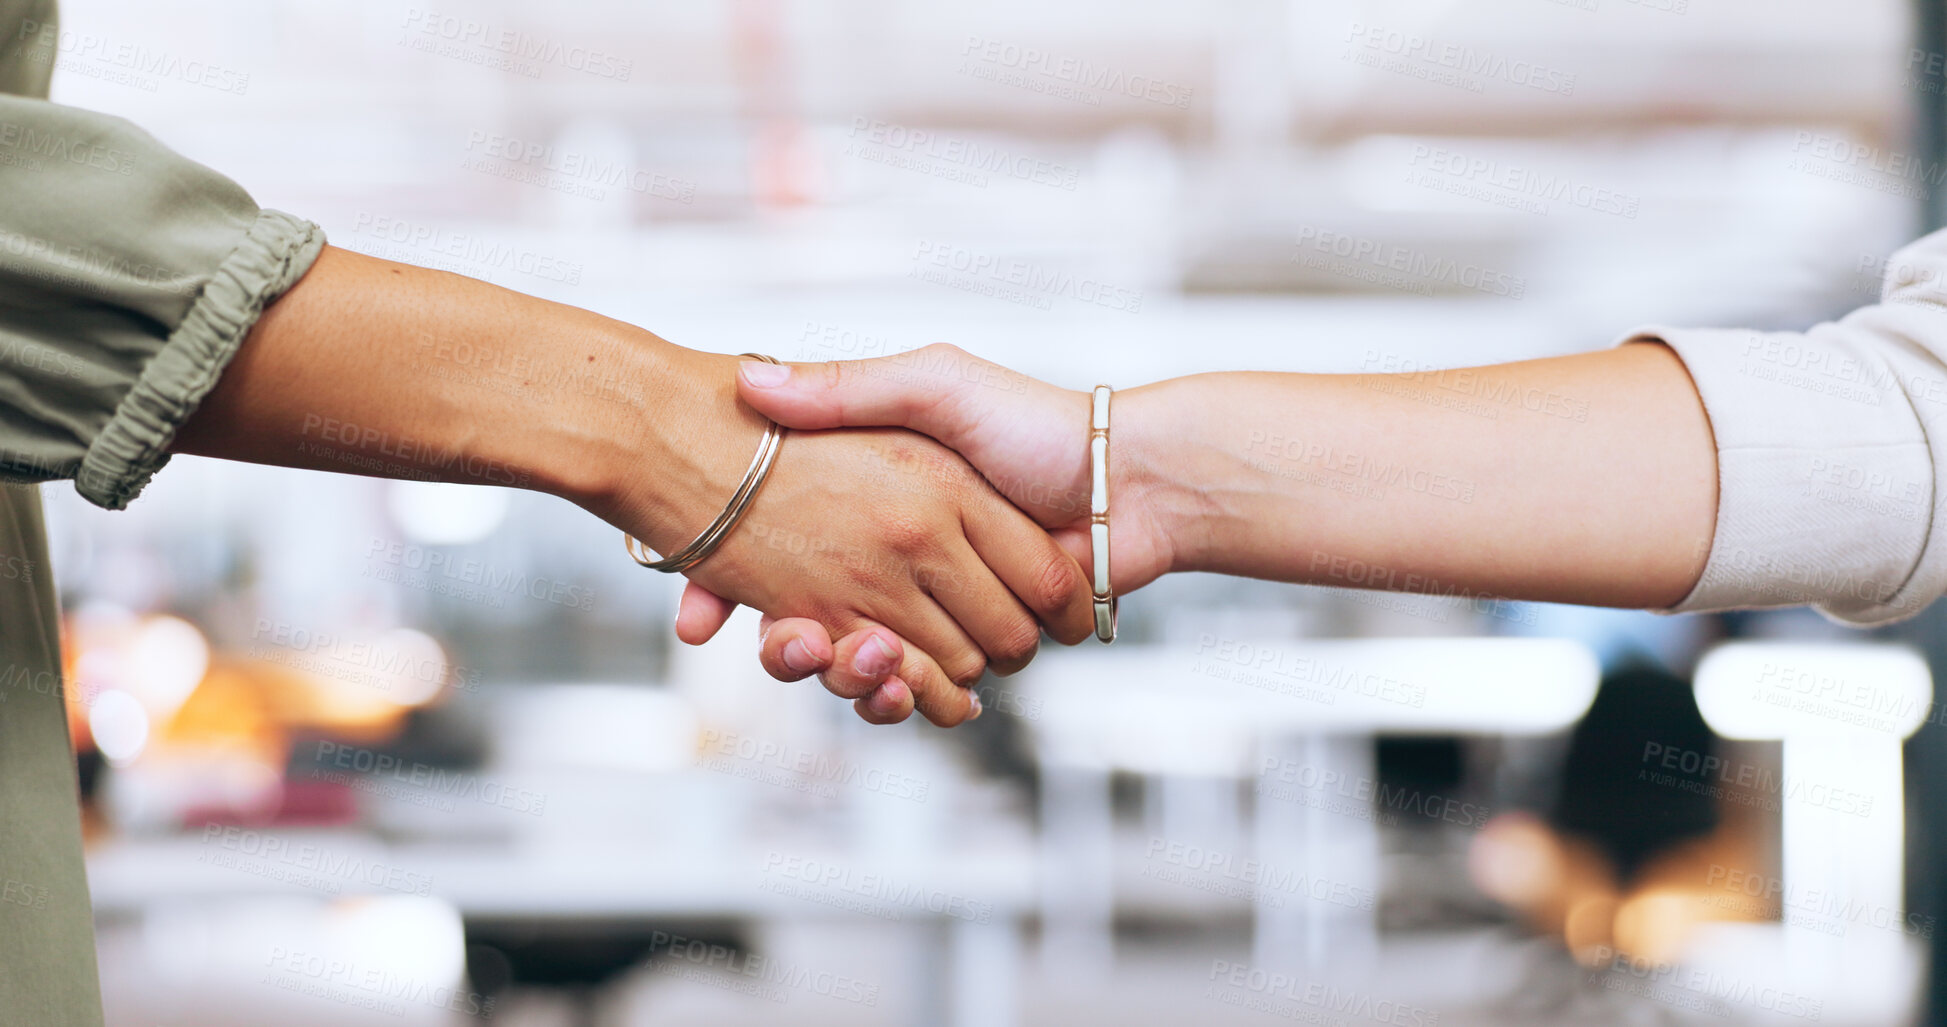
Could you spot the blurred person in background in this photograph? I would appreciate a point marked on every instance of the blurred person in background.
(148, 307)
(1684, 470)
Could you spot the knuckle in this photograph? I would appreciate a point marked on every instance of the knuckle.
(949, 718)
(831, 615)
(905, 531)
(862, 577)
(896, 716)
(965, 670)
(1057, 582)
(941, 351)
(1018, 646)
(771, 657)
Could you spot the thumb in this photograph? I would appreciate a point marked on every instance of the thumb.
(701, 613)
(917, 390)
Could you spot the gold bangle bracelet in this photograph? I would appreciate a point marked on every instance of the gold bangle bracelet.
(706, 543)
(1098, 513)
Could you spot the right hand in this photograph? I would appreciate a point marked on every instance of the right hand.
(1029, 438)
(879, 535)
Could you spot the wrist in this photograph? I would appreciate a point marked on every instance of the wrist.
(659, 455)
(1149, 452)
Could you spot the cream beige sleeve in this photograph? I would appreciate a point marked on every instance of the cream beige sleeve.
(1831, 452)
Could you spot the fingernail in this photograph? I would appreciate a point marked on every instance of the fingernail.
(975, 696)
(875, 657)
(797, 656)
(763, 375)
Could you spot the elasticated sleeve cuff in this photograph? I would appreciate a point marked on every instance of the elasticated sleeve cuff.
(129, 277)
(274, 254)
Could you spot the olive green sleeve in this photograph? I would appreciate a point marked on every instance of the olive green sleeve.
(129, 275)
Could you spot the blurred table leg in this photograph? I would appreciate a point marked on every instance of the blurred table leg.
(1077, 870)
(984, 961)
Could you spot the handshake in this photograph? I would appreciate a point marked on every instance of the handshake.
(931, 539)
(929, 514)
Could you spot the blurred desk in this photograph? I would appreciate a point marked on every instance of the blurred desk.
(971, 902)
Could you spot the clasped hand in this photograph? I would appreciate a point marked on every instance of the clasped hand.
(965, 587)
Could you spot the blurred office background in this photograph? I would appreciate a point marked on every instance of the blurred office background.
(393, 753)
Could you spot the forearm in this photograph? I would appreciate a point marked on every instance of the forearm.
(1585, 479)
(372, 367)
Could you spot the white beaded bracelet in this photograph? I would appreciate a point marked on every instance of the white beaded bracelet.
(1098, 514)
